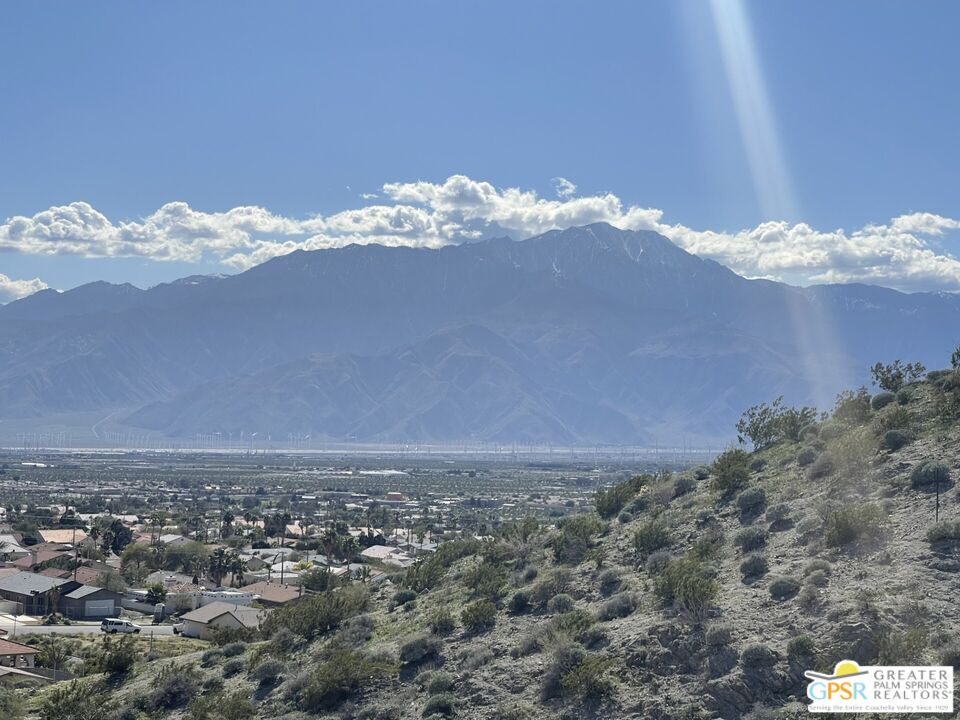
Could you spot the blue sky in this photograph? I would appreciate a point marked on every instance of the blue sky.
(674, 116)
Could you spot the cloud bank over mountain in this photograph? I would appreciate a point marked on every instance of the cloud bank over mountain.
(908, 252)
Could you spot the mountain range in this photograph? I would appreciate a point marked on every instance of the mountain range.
(582, 336)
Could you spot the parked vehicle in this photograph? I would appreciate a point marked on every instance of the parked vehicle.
(118, 625)
(177, 628)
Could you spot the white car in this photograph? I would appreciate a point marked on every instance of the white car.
(177, 628)
(118, 625)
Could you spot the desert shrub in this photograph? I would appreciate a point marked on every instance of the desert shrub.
(227, 635)
(267, 672)
(893, 376)
(815, 565)
(904, 396)
(831, 431)
(335, 680)
(754, 565)
(233, 649)
(751, 500)
(657, 562)
(476, 657)
(316, 614)
(429, 571)
(881, 400)
(901, 648)
(757, 655)
(809, 432)
(701, 472)
(893, 440)
(609, 581)
(652, 535)
(575, 537)
(818, 578)
(233, 666)
(688, 585)
(479, 616)
(730, 471)
(682, 485)
(946, 531)
(765, 424)
(778, 514)
(897, 418)
(403, 596)
(806, 456)
(75, 700)
(719, 636)
(930, 473)
(439, 704)
(950, 655)
(610, 501)
(354, 633)
(10, 706)
(420, 648)
(284, 641)
(782, 588)
(625, 517)
(519, 602)
(801, 647)
(211, 657)
(758, 464)
(441, 622)
(588, 679)
(119, 655)
(486, 580)
(822, 466)
(852, 406)
(844, 524)
(175, 691)
(553, 584)
(560, 603)
(618, 606)
(752, 538)
(440, 682)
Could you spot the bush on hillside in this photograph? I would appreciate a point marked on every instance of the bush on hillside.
(441, 622)
(881, 400)
(618, 606)
(893, 376)
(652, 535)
(806, 456)
(765, 425)
(440, 704)
(752, 538)
(930, 473)
(783, 587)
(316, 614)
(519, 602)
(752, 500)
(946, 531)
(335, 680)
(657, 562)
(479, 616)
(575, 537)
(802, 647)
(846, 523)
(893, 440)
(754, 565)
(730, 471)
(609, 581)
(757, 655)
(719, 636)
(824, 465)
(560, 603)
(852, 407)
(420, 648)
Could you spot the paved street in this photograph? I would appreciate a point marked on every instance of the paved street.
(22, 629)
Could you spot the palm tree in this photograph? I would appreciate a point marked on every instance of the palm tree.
(237, 567)
(218, 565)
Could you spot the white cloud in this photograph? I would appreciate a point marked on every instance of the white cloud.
(11, 289)
(905, 252)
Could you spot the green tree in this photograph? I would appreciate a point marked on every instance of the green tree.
(893, 376)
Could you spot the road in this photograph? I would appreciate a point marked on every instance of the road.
(157, 630)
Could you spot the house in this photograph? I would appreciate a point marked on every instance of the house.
(386, 554)
(172, 540)
(40, 559)
(67, 536)
(90, 603)
(272, 594)
(13, 654)
(206, 620)
(35, 594)
(10, 548)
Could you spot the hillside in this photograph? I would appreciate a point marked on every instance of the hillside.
(583, 336)
(704, 594)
